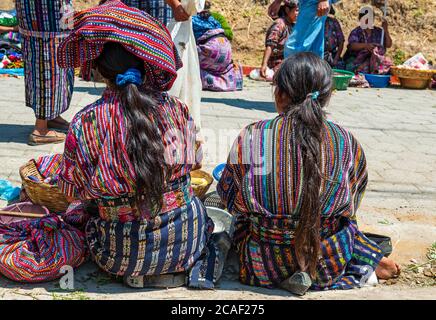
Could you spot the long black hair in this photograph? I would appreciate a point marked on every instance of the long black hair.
(144, 144)
(306, 80)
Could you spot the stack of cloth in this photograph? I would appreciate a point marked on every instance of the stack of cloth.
(11, 58)
(36, 249)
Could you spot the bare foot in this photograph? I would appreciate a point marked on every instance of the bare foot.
(387, 269)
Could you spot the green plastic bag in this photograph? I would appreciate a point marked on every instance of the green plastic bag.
(8, 20)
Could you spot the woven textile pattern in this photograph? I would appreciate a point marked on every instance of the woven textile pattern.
(262, 186)
(48, 88)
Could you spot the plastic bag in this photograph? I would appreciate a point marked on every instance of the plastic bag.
(255, 75)
(7, 191)
(418, 61)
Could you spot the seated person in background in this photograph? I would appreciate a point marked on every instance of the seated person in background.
(277, 35)
(294, 185)
(209, 20)
(334, 41)
(128, 156)
(217, 69)
(365, 53)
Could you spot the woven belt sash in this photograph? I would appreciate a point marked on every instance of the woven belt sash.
(43, 34)
(126, 209)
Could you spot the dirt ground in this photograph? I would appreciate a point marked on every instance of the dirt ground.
(412, 25)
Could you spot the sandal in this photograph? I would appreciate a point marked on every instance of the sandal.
(36, 139)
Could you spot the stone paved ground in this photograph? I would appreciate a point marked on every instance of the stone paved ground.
(396, 127)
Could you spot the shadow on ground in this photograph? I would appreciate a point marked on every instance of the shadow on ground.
(89, 279)
(95, 91)
(243, 104)
(18, 133)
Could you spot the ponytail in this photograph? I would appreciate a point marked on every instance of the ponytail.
(307, 81)
(125, 74)
(307, 122)
(144, 145)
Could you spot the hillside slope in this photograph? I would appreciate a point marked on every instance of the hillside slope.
(412, 24)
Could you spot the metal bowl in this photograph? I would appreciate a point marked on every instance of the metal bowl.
(221, 218)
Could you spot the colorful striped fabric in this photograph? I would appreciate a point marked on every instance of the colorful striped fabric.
(137, 31)
(261, 185)
(125, 239)
(171, 242)
(48, 88)
(35, 250)
(95, 161)
(156, 8)
(50, 165)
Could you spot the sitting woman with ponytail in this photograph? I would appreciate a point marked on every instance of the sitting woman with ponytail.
(128, 156)
(294, 184)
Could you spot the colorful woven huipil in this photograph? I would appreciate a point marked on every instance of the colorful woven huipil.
(262, 187)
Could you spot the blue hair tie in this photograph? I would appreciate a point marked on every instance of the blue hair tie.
(132, 75)
(315, 95)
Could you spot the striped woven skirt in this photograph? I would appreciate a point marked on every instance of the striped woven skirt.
(48, 87)
(170, 242)
(347, 257)
(156, 8)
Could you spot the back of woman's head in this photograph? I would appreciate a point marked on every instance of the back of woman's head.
(124, 73)
(305, 81)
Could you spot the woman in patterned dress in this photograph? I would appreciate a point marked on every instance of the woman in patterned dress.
(49, 88)
(365, 52)
(294, 184)
(277, 35)
(333, 41)
(128, 156)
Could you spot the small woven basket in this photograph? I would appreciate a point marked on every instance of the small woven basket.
(200, 191)
(40, 192)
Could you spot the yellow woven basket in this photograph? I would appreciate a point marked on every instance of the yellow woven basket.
(40, 192)
(201, 190)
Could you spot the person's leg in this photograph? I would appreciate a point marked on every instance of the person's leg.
(308, 33)
(41, 134)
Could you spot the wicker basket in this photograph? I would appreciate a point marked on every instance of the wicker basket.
(413, 78)
(414, 83)
(412, 73)
(200, 191)
(40, 192)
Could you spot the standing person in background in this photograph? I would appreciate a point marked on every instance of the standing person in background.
(308, 34)
(277, 35)
(49, 88)
(163, 10)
